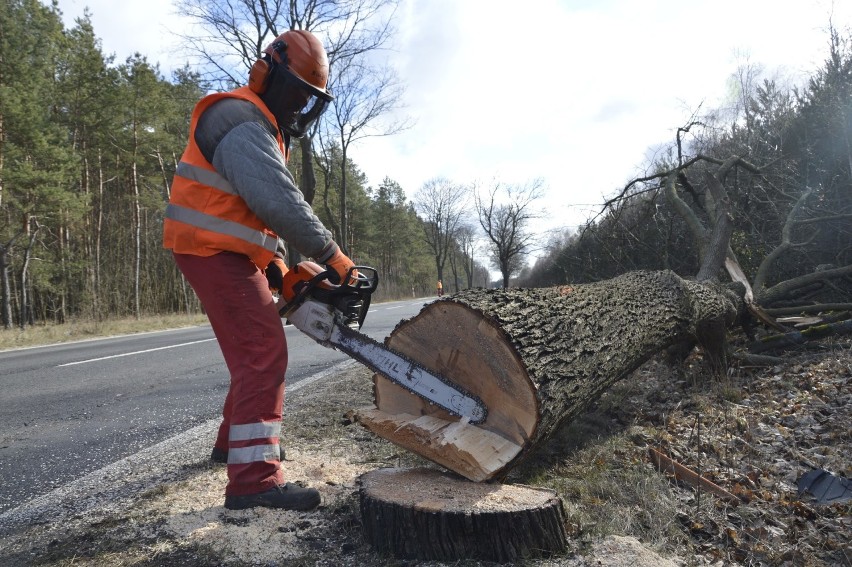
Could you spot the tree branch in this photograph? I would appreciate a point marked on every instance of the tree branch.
(786, 244)
(781, 290)
(696, 227)
(723, 227)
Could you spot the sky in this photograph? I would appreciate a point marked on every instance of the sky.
(577, 93)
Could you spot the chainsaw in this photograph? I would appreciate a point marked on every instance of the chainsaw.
(332, 315)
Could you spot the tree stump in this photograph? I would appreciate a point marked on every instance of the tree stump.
(536, 357)
(430, 515)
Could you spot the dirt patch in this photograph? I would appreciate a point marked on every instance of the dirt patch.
(754, 434)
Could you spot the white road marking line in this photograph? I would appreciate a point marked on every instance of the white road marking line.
(136, 352)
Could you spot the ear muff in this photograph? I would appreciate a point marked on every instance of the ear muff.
(259, 76)
(262, 68)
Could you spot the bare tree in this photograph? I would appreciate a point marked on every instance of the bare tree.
(441, 205)
(709, 217)
(363, 94)
(506, 223)
(231, 34)
(711, 230)
(466, 238)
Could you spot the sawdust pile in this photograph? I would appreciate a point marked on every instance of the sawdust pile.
(192, 512)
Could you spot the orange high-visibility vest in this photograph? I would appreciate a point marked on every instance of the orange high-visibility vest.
(205, 215)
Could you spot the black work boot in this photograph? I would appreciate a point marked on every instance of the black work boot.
(287, 496)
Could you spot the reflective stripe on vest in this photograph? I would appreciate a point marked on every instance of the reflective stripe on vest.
(205, 177)
(215, 224)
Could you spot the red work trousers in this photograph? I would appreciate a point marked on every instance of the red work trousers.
(235, 294)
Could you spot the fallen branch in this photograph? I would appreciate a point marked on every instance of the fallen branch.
(757, 359)
(682, 473)
(801, 322)
(819, 308)
(796, 338)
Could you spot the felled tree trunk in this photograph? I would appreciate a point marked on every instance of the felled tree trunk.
(536, 357)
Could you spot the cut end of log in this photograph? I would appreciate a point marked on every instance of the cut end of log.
(473, 452)
(426, 514)
(472, 352)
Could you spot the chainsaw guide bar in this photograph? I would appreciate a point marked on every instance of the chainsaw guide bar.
(403, 371)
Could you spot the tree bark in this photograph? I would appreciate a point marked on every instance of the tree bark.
(98, 213)
(429, 515)
(6, 300)
(6, 280)
(26, 315)
(137, 235)
(537, 358)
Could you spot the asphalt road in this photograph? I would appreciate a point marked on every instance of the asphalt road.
(69, 409)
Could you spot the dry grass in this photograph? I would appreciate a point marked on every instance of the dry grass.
(89, 328)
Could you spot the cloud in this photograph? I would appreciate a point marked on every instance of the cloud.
(575, 92)
(133, 26)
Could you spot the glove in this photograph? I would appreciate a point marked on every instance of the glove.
(275, 274)
(340, 264)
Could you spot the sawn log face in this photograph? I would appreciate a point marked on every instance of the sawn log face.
(425, 514)
(539, 357)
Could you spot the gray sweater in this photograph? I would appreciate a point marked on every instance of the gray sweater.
(238, 140)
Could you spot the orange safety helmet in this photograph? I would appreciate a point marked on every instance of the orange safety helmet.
(291, 79)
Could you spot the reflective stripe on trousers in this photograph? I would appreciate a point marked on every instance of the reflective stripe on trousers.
(254, 453)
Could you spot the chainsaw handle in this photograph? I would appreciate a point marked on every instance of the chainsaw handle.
(356, 274)
(351, 300)
(366, 281)
(306, 281)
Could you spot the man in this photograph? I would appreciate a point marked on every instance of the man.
(232, 196)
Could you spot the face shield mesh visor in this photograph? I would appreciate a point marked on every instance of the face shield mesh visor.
(295, 103)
